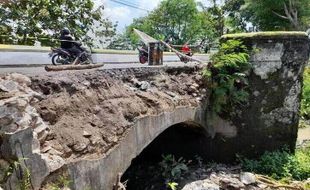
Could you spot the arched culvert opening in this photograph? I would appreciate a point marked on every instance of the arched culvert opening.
(185, 140)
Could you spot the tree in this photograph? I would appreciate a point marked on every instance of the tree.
(218, 17)
(278, 15)
(121, 42)
(45, 18)
(225, 17)
(235, 18)
(179, 20)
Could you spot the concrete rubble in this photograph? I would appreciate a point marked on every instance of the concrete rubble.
(231, 177)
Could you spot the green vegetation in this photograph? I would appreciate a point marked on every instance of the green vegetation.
(203, 24)
(62, 182)
(21, 21)
(281, 164)
(24, 177)
(172, 185)
(277, 15)
(179, 20)
(227, 77)
(172, 169)
(183, 21)
(305, 101)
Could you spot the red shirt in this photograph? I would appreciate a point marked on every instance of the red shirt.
(186, 49)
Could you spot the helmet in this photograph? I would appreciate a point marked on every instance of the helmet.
(65, 31)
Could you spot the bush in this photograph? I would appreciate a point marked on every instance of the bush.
(281, 164)
(172, 169)
(305, 101)
(227, 77)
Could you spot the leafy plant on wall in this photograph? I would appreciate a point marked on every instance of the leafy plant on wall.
(227, 77)
(305, 102)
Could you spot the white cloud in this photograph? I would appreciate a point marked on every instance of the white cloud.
(149, 4)
(124, 15)
(99, 2)
(119, 14)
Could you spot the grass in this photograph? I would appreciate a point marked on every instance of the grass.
(281, 165)
(305, 101)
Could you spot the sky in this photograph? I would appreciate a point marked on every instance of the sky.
(123, 14)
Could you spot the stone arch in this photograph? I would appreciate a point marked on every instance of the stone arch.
(187, 140)
(102, 173)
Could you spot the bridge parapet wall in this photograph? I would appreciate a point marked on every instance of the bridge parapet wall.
(270, 120)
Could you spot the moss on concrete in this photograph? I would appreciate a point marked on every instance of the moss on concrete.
(278, 34)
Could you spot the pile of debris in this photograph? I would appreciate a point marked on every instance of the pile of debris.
(228, 177)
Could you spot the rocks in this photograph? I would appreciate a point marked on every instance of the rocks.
(228, 182)
(80, 146)
(171, 94)
(220, 177)
(8, 86)
(19, 78)
(247, 178)
(86, 83)
(22, 126)
(111, 139)
(202, 185)
(86, 134)
(4, 166)
(144, 85)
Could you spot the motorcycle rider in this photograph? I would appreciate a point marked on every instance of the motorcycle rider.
(186, 50)
(67, 42)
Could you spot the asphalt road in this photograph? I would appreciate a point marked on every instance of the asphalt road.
(40, 69)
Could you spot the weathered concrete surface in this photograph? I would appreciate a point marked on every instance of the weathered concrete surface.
(270, 119)
(95, 174)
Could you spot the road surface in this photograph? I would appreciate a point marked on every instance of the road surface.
(40, 69)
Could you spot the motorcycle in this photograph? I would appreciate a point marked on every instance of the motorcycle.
(186, 59)
(61, 56)
(143, 55)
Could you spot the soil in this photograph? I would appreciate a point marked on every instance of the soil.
(89, 112)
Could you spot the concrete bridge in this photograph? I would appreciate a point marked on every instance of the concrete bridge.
(89, 125)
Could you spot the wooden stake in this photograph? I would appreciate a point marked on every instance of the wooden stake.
(179, 54)
(71, 67)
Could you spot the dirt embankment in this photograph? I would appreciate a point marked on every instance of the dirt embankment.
(89, 112)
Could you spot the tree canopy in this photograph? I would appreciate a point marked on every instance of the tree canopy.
(26, 19)
(179, 20)
(278, 15)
